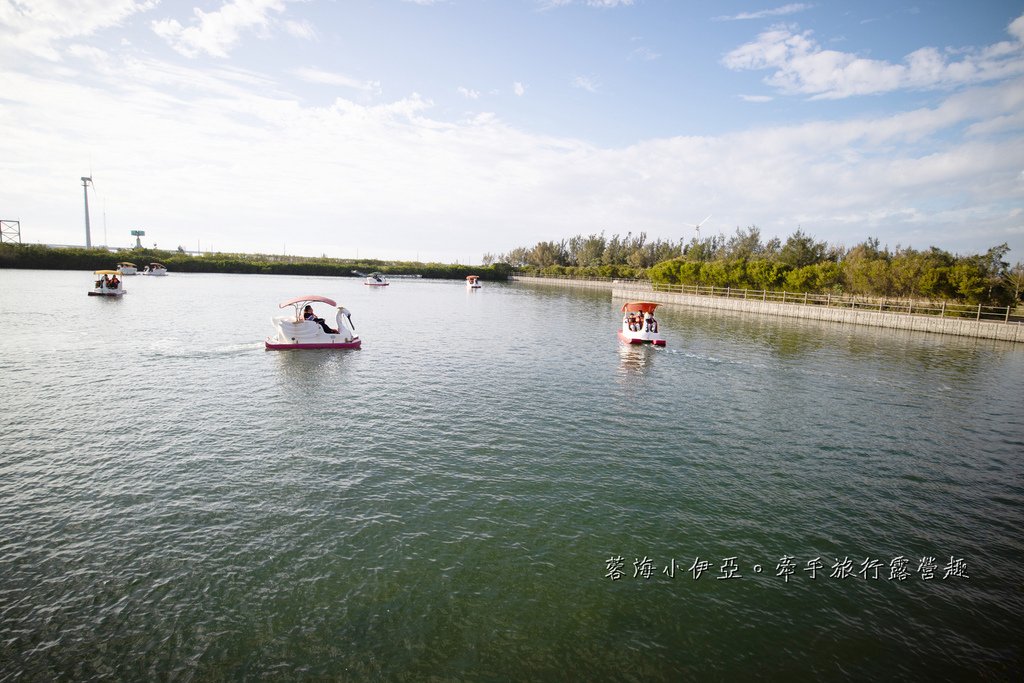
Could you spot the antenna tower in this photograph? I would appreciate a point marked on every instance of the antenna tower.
(10, 231)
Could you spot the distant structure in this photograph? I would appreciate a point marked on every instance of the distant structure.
(10, 231)
(138, 235)
(85, 191)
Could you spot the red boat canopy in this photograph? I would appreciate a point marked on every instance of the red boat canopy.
(641, 306)
(310, 298)
(472, 277)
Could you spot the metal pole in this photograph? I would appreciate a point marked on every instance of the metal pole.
(85, 193)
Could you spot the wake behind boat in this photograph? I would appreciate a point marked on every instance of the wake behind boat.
(639, 325)
(305, 330)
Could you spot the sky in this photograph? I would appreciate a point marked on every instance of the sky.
(443, 130)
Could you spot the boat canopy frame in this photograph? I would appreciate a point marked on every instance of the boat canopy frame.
(639, 306)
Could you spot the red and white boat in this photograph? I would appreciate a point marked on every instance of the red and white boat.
(376, 280)
(639, 325)
(473, 281)
(297, 332)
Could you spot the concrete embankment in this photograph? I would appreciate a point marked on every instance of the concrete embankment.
(964, 327)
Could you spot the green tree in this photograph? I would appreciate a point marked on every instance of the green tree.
(969, 280)
(801, 250)
(765, 273)
(1014, 280)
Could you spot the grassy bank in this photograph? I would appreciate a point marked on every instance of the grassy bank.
(50, 258)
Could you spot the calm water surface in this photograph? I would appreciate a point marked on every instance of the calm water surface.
(452, 501)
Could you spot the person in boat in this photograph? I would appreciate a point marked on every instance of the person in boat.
(652, 324)
(114, 282)
(308, 314)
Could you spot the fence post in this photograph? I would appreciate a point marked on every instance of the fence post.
(942, 313)
(828, 299)
(805, 298)
(979, 312)
(764, 295)
(1007, 314)
(783, 296)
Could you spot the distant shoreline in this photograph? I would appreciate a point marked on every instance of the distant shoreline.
(44, 257)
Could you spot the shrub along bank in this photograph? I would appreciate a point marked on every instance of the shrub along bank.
(52, 258)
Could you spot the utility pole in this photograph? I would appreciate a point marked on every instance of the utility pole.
(85, 191)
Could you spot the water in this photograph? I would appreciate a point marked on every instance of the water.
(448, 502)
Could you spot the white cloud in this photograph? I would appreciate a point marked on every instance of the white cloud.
(519, 89)
(801, 66)
(216, 32)
(644, 53)
(551, 4)
(586, 83)
(228, 156)
(791, 8)
(469, 93)
(300, 29)
(35, 26)
(311, 75)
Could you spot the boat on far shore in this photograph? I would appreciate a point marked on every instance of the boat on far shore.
(127, 268)
(155, 269)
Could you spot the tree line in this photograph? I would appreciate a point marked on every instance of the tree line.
(799, 264)
(592, 255)
(73, 258)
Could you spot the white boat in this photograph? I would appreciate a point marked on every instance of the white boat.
(155, 269)
(127, 268)
(304, 330)
(376, 280)
(108, 283)
(639, 326)
(473, 281)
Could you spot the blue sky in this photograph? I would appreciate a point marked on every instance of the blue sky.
(444, 130)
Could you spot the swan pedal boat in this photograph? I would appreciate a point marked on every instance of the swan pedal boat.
(155, 269)
(473, 281)
(376, 280)
(102, 286)
(127, 268)
(294, 332)
(645, 327)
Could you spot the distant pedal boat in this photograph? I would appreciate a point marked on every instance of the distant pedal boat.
(295, 332)
(473, 282)
(155, 269)
(376, 280)
(639, 325)
(127, 268)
